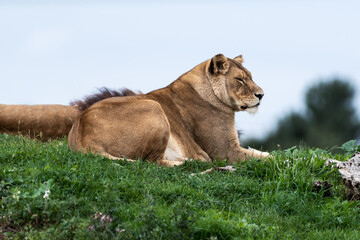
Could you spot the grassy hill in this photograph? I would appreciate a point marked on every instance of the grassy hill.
(49, 192)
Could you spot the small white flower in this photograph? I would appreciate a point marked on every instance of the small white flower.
(16, 195)
(47, 194)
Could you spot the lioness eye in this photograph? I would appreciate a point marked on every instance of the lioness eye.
(240, 80)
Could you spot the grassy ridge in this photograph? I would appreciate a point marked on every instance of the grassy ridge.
(49, 192)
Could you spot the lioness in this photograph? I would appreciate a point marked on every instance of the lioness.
(193, 117)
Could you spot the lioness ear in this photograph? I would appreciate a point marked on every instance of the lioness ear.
(219, 65)
(239, 59)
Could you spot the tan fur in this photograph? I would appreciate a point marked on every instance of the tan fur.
(37, 121)
(193, 118)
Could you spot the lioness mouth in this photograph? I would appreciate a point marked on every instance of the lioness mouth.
(246, 107)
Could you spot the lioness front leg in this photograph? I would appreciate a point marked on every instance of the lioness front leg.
(238, 153)
(256, 153)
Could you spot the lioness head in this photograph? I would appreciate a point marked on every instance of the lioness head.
(233, 84)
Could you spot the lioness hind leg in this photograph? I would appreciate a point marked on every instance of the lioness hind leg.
(163, 162)
(109, 156)
(168, 163)
(118, 127)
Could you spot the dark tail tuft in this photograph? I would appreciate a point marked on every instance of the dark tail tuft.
(104, 93)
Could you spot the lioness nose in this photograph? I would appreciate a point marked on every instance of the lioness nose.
(259, 95)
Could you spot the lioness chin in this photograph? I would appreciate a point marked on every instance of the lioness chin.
(193, 118)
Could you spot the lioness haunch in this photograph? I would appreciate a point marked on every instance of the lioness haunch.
(193, 118)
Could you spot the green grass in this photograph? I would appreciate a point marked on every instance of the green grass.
(261, 200)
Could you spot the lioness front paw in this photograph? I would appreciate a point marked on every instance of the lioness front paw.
(259, 154)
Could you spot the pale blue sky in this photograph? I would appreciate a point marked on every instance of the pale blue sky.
(58, 52)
